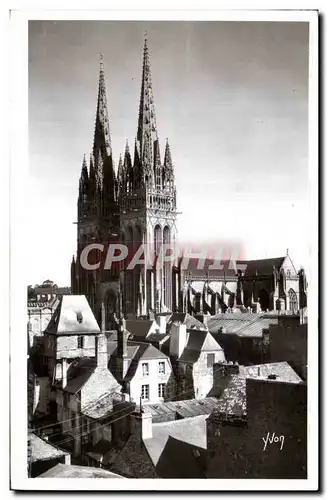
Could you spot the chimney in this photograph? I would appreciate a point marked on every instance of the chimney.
(101, 350)
(122, 351)
(178, 340)
(142, 424)
(103, 318)
(101, 343)
(162, 321)
(64, 373)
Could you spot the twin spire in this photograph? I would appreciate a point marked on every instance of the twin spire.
(147, 166)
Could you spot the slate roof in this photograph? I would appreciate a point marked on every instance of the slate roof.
(263, 266)
(255, 329)
(73, 316)
(139, 327)
(148, 351)
(189, 430)
(158, 337)
(181, 460)
(186, 319)
(137, 351)
(42, 450)
(195, 343)
(79, 373)
(242, 324)
(112, 349)
(71, 471)
(233, 398)
(183, 408)
(282, 370)
(108, 407)
(226, 270)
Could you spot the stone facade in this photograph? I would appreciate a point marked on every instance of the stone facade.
(265, 284)
(153, 380)
(38, 317)
(196, 363)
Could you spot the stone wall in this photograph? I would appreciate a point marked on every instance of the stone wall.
(100, 382)
(288, 342)
(67, 347)
(203, 374)
(238, 450)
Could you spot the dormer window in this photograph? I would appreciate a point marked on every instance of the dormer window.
(79, 317)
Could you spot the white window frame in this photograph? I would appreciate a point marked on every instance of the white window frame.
(145, 369)
(146, 392)
(161, 364)
(161, 390)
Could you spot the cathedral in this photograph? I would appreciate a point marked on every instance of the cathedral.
(137, 205)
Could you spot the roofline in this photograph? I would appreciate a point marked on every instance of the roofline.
(69, 334)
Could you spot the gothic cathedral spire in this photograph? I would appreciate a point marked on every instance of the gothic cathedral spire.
(102, 141)
(147, 130)
(102, 149)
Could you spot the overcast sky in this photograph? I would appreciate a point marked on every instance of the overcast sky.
(231, 98)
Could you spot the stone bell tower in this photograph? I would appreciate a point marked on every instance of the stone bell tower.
(147, 203)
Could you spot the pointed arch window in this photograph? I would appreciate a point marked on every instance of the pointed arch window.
(157, 239)
(293, 303)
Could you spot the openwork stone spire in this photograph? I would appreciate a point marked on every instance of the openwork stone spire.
(167, 156)
(83, 188)
(102, 142)
(147, 131)
(168, 174)
(120, 176)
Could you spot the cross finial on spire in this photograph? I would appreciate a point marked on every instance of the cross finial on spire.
(287, 251)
